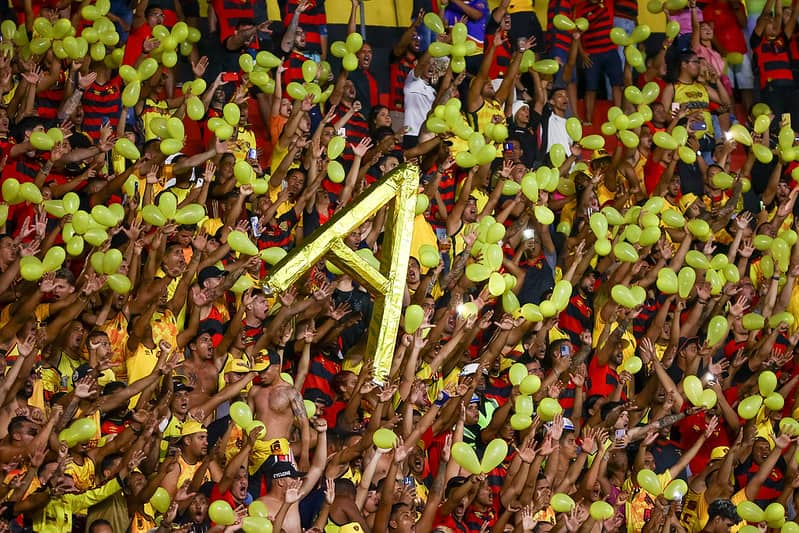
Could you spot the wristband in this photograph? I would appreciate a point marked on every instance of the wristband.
(442, 401)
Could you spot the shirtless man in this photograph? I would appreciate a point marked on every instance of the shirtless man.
(281, 475)
(201, 367)
(277, 404)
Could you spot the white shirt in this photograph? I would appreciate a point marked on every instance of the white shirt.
(419, 98)
(556, 133)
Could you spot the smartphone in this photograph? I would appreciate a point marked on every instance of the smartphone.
(441, 234)
(565, 351)
(231, 76)
(252, 154)
(620, 434)
(675, 107)
(408, 480)
(699, 125)
(508, 147)
(256, 229)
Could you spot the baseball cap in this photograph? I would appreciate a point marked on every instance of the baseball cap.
(210, 272)
(686, 200)
(517, 106)
(600, 154)
(719, 452)
(264, 359)
(281, 469)
(180, 385)
(191, 427)
(81, 372)
(238, 366)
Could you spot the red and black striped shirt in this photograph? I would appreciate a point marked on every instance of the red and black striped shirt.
(502, 56)
(555, 38)
(231, 13)
(399, 69)
(313, 21)
(596, 39)
(627, 9)
(101, 101)
(293, 66)
(772, 62)
(48, 101)
(576, 318)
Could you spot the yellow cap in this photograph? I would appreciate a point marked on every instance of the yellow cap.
(719, 452)
(191, 427)
(686, 200)
(239, 366)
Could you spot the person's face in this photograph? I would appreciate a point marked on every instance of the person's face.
(174, 261)
(659, 113)
(203, 347)
(772, 27)
(348, 385)
(239, 488)
(372, 502)
(706, 31)
(488, 90)
(101, 345)
(212, 283)
(198, 508)
(720, 525)
(470, 213)
(155, 17)
(197, 444)
(587, 283)
(760, 451)
(365, 56)
(101, 528)
(62, 288)
(403, 520)
(8, 252)
(180, 403)
(4, 122)
(25, 433)
(270, 375)
(783, 191)
(225, 169)
(543, 489)
(691, 66)
(414, 272)
(472, 413)
(349, 91)
(299, 39)
(484, 496)
(296, 181)
(416, 460)
(184, 236)
(75, 336)
(559, 100)
(534, 368)
(383, 118)
(389, 164)
(568, 445)
(622, 421)
(523, 116)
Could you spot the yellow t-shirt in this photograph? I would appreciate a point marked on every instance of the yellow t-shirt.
(84, 475)
(639, 503)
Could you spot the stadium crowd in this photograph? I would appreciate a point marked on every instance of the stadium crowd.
(600, 320)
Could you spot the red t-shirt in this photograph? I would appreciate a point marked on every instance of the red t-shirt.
(728, 33)
(691, 428)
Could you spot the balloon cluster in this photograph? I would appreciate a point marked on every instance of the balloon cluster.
(335, 147)
(649, 481)
(692, 386)
(630, 43)
(494, 454)
(528, 385)
(79, 431)
(224, 127)
(311, 71)
(32, 268)
(222, 513)
(85, 226)
(768, 397)
(15, 192)
(773, 515)
(241, 414)
(166, 209)
(564, 23)
(181, 37)
(171, 132)
(460, 48)
(448, 117)
(346, 50)
(108, 263)
(621, 124)
(133, 78)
